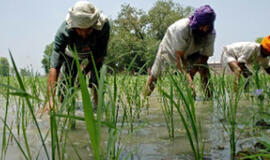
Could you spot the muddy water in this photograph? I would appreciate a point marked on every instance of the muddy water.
(150, 139)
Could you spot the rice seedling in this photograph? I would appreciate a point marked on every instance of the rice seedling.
(188, 117)
(131, 100)
(59, 118)
(232, 118)
(168, 111)
(111, 111)
(263, 149)
(30, 107)
(120, 107)
(4, 137)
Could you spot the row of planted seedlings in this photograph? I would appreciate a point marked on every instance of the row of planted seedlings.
(20, 107)
(239, 109)
(260, 100)
(28, 95)
(177, 99)
(178, 96)
(227, 105)
(227, 101)
(131, 100)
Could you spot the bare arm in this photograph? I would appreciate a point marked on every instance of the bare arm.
(244, 70)
(180, 60)
(236, 69)
(52, 79)
(149, 86)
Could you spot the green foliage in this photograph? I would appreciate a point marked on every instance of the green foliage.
(46, 57)
(25, 72)
(128, 39)
(121, 109)
(258, 40)
(136, 32)
(163, 14)
(4, 66)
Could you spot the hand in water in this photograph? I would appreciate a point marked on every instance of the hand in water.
(47, 108)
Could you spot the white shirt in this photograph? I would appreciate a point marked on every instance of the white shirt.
(244, 52)
(179, 38)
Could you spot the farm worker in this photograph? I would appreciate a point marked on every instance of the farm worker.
(240, 54)
(87, 31)
(187, 44)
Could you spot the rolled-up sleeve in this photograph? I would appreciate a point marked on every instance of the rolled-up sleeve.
(60, 43)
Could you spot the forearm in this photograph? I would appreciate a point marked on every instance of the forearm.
(149, 86)
(244, 70)
(180, 61)
(52, 79)
(237, 72)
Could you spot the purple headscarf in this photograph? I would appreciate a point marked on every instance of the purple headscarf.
(204, 15)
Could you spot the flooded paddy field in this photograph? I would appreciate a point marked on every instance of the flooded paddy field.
(165, 126)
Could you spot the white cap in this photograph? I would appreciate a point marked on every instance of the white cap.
(84, 15)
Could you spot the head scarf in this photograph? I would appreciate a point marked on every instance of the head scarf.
(202, 16)
(266, 43)
(84, 15)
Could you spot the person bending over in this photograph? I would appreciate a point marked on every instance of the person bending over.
(187, 44)
(85, 31)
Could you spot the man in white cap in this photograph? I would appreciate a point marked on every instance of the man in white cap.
(85, 31)
(187, 44)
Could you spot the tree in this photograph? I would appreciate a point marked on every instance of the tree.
(258, 40)
(4, 66)
(25, 72)
(47, 57)
(163, 14)
(129, 20)
(137, 33)
(128, 40)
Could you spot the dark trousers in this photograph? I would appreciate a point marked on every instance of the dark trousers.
(194, 66)
(68, 77)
